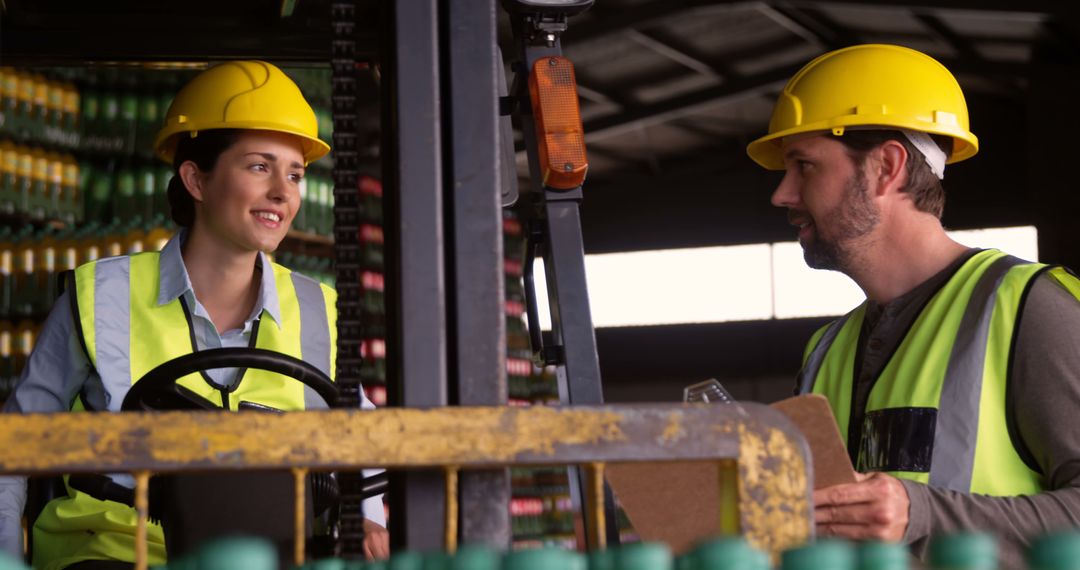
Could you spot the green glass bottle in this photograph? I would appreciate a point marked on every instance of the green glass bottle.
(1058, 551)
(91, 120)
(7, 271)
(238, 554)
(145, 186)
(475, 557)
(123, 202)
(831, 554)
(405, 560)
(883, 556)
(964, 551)
(435, 561)
(148, 121)
(539, 559)
(326, 564)
(727, 554)
(9, 563)
(98, 203)
(129, 119)
(602, 559)
(644, 556)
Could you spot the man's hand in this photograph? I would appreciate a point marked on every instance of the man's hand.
(376, 541)
(873, 508)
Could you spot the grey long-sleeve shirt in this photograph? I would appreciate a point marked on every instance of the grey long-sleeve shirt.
(58, 370)
(1046, 390)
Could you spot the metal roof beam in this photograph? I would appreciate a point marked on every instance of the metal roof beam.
(749, 86)
(810, 25)
(685, 104)
(652, 13)
(679, 52)
(1049, 7)
(942, 30)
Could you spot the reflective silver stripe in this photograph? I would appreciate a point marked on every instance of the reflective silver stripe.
(112, 327)
(810, 370)
(314, 331)
(957, 427)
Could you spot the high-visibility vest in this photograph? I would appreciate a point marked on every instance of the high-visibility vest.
(126, 334)
(937, 412)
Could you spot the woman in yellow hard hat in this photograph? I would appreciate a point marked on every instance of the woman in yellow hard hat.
(239, 136)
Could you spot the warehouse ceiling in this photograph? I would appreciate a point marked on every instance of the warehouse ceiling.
(662, 80)
(659, 80)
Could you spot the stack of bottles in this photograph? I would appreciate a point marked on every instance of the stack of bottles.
(316, 215)
(39, 132)
(31, 260)
(967, 551)
(373, 348)
(542, 513)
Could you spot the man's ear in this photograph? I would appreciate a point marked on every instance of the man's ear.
(892, 165)
(193, 180)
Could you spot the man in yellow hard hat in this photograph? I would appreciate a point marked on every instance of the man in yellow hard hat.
(953, 381)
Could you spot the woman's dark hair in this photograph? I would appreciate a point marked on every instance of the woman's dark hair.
(923, 186)
(204, 151)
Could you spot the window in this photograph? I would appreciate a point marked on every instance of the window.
(734, 283)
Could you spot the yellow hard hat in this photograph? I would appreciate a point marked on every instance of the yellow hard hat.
(240, 95)
(869, 86)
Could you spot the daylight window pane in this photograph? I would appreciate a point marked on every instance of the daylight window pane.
(735, 283)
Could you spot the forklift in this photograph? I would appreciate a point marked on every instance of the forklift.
(447, 161)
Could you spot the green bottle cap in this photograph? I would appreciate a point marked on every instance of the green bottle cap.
(964, 551)
(727, 553)
(539, 559)
(831, 554)
(436, 561)
(644, 556)
(125, 183)
(9, 563)
(602, 560)
(326, 564)
(1058, 551)
(238, 554)
(406, 560)
(475, 557)
(883, 556)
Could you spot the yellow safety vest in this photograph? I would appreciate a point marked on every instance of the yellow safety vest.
(126, 334)
(937, 412)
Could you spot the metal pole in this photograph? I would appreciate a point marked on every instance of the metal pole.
(416, 288)
(477, 325)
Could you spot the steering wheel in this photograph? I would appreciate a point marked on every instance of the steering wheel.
(158, 390)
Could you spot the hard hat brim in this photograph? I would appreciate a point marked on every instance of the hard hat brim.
(767, 151)
(165, 145)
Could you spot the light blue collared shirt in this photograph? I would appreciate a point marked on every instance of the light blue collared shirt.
(175, 283)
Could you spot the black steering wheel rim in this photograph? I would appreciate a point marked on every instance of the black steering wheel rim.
(159, 385)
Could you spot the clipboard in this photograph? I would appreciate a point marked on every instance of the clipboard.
(678, 502)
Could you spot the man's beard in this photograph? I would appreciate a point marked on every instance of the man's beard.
(855, 217)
